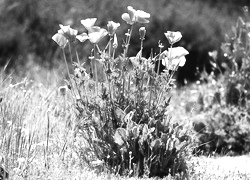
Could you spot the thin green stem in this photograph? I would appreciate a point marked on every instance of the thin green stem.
(171, 75)
(67, 67)
(96, 76)
(129, 79)
(65, 60)
(128, 42)
(158, 71)
(158, 67)
(77, 57)
(71, 58)
(109, 46)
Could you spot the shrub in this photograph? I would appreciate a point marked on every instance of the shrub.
(122, 102)
(228, 120)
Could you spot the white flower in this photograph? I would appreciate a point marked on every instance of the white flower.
(135, 16)
(174, 57)
(112, 27)
(60, 40)
(88, 23)
(173, 37)
(82, 37)
(95, 33)
(67, 30)
(64, 35)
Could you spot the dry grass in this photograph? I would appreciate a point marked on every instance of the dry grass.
(38, 140)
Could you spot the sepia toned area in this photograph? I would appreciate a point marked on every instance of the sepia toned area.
(122, 89)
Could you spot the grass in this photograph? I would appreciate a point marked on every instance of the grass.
(38, 140)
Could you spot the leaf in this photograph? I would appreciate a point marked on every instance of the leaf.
(169, 144)
(129, 116)
(155, 144)
(138, 55)
(129, 65)
(151, 130)
(98, 68)
(178, 130)
(166, 122)
(120, 114)
(131, 124)
(168, 101)
(145, 130)
(120, 136)
(164, 138)
(135, 131)
(135, 60)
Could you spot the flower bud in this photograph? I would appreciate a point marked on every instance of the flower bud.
(112, 27)
(142, 32)
(115, 43)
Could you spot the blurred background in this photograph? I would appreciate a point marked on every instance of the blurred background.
(28, 25)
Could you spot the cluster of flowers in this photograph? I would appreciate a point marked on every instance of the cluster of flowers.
(171, 58)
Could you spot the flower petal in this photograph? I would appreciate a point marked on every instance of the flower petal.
(89, 22)
(82, 37)
(126, 17)
(93, 29)
(173, 37)
(165, 61)
(142, 20)
(142, 14)
(64, 29)
(131, 12)
(182, 61)
(72, 32)
(96, 36)
(112, 27)
(177, 52)
(60, 40)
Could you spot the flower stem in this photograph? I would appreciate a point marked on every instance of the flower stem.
(67, 67)
(77, 57)
(71, 58)
(96, 77)
(64, 57)
(127, 43)
(158, 67)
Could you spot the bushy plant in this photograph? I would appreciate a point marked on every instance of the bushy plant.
(236, 49)
(122, 102)
(227, 125)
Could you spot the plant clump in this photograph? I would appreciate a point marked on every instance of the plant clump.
(122, 102)
(228, 119)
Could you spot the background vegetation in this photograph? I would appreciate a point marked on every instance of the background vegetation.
(27, 26)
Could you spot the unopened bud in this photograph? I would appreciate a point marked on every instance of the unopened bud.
(112, 27)
(115, 43)
(142, 32)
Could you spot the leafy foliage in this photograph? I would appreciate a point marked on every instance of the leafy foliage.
(228, 118)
